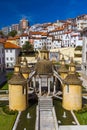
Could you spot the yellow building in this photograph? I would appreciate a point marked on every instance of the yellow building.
(17, 90)
(72, 90)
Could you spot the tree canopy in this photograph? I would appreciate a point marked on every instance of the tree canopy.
(12, 33)
(27, 46)
(1, 34)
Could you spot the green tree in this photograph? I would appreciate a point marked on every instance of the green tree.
(1, 34)
(27, 47)
(12, 33)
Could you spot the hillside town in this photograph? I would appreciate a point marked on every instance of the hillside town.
(48, 63)
(60, 37)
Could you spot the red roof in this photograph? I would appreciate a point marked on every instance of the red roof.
(2, 40)
(38, 33)
(24, 35)
(11, 46)
(11, 38)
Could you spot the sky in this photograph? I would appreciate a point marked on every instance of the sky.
(39, 11)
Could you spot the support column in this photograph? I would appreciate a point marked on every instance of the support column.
(30, 84)
(54, 89)
(34, 82)
(48, 86)
(39, 85)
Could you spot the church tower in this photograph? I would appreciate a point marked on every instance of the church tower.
(44, 53)
(63, 70)
(17, 90)
(25, 69)
(72, 90)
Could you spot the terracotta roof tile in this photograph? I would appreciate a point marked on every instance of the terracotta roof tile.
(11, 38)
(10, 45)
(24, 35)
(2, 40)
(38, 33)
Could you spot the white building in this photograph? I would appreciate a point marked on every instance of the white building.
(76, 39)
(2, 57)
(57, 35)
(39, 39)
(11, 53)
(84, 52)
(81, 24)
(84, 58)
(23, 38)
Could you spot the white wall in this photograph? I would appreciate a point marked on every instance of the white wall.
(23, 40)
(10, 57)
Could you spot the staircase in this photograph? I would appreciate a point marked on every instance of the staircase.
(47, 117)
(45, 103)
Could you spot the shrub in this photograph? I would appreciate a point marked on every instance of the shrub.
(77, 55)
(9, 75)
(2, 104)
(83, 110)
(77, 74)
(8, 111)
(78, 48)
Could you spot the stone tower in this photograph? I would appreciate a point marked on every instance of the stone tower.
(17, 90)
(25, 69)
(63, 70)
(72, 90)
(44, 53)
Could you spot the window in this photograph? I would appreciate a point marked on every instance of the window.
(11, 58)
(24, 90)
(67, 88)
(10, 50)
(7, 50)
(7, 58)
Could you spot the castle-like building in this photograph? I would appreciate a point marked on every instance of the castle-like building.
(47, 81)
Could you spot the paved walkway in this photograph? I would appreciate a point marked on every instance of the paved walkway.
(4, 97)
(81, 127)
(47, 115)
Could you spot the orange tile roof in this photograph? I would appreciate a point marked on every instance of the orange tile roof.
(11, 46)
(17, 37)
(24, 35)
(14, 38)
(38, 33)
(11, 38)
(2, 40)
(58, 29)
